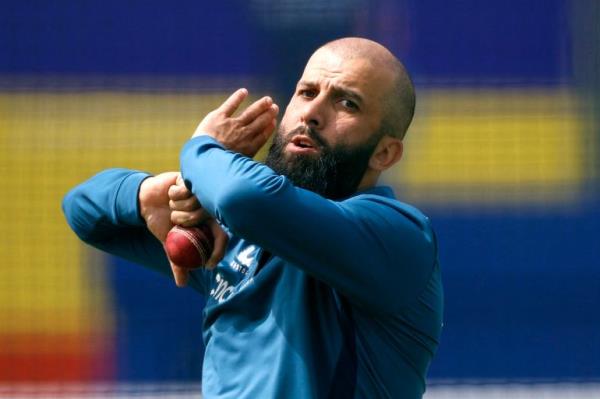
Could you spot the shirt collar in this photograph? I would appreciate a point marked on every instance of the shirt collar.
(384, 191)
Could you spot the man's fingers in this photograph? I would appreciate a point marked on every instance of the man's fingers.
(261, 138)
(255, 109)
(219, 246)
(233, 102)
(268, 131)
(168, 177)
(263, 120)
(188, 219)
(187, 205)
(178, 193)
(181, 275)
(179, 180)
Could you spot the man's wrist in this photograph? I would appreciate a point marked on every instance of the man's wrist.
(142, 197)
(200, 133)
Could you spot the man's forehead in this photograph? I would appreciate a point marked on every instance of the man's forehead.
(324, 60)
(345, 71)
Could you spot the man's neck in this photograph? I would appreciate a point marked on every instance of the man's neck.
(369, 179)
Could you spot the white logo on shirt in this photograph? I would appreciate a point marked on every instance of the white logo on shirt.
(245, 257)
(223, 290)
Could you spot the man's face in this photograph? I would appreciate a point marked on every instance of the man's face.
(331, 125)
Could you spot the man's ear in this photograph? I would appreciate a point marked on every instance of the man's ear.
(387, 153)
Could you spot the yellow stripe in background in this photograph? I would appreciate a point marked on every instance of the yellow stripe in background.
(48, 143)
(469, 147)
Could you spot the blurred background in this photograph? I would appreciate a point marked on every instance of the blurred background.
(503, 156)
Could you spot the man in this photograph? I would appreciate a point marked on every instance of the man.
(322, 285)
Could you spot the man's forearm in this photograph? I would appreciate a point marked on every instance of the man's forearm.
(104, 202)
(104, 212)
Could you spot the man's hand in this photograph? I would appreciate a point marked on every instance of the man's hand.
(154, 199)
(154, 209)
(187, 211)
(246, 133)
(154, 203)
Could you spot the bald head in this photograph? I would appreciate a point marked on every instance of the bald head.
(399, 101)
(346, 119)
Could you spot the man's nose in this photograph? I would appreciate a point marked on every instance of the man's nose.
(314, 112)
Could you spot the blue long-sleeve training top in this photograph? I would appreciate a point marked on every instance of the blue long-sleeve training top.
(314, 298)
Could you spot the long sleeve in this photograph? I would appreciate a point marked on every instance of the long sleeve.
(378, 252)
(104, 212)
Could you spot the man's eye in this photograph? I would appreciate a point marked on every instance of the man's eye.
(350, 105)
(307, 93)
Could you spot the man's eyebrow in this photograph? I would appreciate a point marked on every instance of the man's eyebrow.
(306, 83)
(348, 93)
(338, 91)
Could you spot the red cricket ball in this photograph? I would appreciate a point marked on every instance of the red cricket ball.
(189, 247)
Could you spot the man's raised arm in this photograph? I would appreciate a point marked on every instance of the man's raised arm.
(365, 243)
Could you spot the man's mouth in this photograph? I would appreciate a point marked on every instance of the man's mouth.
(302, 145)
(303, 141)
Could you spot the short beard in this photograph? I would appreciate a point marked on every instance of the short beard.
(335, 173)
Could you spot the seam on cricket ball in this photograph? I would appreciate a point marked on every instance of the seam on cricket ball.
(199, 247)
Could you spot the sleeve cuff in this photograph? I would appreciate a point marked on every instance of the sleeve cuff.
(127, 199)
(199, 143)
